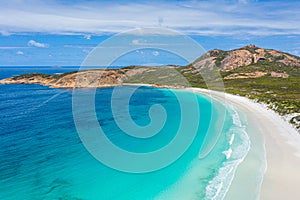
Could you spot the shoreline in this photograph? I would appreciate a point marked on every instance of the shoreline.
(271, 138)
(274, 154)
(69, 85)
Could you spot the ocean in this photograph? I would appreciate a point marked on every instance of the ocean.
(42, 156)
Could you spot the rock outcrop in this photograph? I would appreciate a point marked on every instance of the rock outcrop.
(245, 56)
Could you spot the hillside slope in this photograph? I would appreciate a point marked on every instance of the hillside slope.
(267, 75)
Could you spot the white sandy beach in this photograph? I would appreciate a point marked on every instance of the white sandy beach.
(271, 138)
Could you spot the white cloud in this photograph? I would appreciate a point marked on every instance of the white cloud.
(296, 52)
(13, 47)
(78, 46)
(143, 42)
(4, 33)
(191, 17)
(87, 36)
(135, 42)
(20, 52)
(243, 1)
(33, 43)
(155, 53)
(37, 44)
(140, 52)
(86, 51)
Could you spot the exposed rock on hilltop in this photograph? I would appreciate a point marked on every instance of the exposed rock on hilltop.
(245, 56)
(247, 62)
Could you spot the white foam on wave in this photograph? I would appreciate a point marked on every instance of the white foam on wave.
(231, 139)
(217, 187)
(235, 116)
(215, 191)
(227, 153)
(239, 147)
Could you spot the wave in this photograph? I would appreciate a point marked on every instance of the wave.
(239, 146)
(200, 181)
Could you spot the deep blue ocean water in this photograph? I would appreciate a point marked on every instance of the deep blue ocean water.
(42, 156)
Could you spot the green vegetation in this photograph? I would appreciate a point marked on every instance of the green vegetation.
(264, 66)
(281, 94)
(31, 75)
(250, 48)
(194, 79)
(45, 76)
(58, 76)
(220, 57)
(295, 121)
(130, 67)
(159, 76)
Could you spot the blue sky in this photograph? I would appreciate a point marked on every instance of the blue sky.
(63, 32)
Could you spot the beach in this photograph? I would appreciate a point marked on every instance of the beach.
(271, 168)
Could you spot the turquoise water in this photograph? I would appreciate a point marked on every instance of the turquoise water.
(42, 156)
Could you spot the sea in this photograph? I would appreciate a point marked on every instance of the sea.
(43, 156)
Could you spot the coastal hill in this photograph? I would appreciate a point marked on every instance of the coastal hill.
(245, 63)
(248, 62)
(248, 55)
(266, 75)
(96, 78)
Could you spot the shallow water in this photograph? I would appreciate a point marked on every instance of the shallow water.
(42, 156)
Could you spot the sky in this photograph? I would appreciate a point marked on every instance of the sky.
(64, 32)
